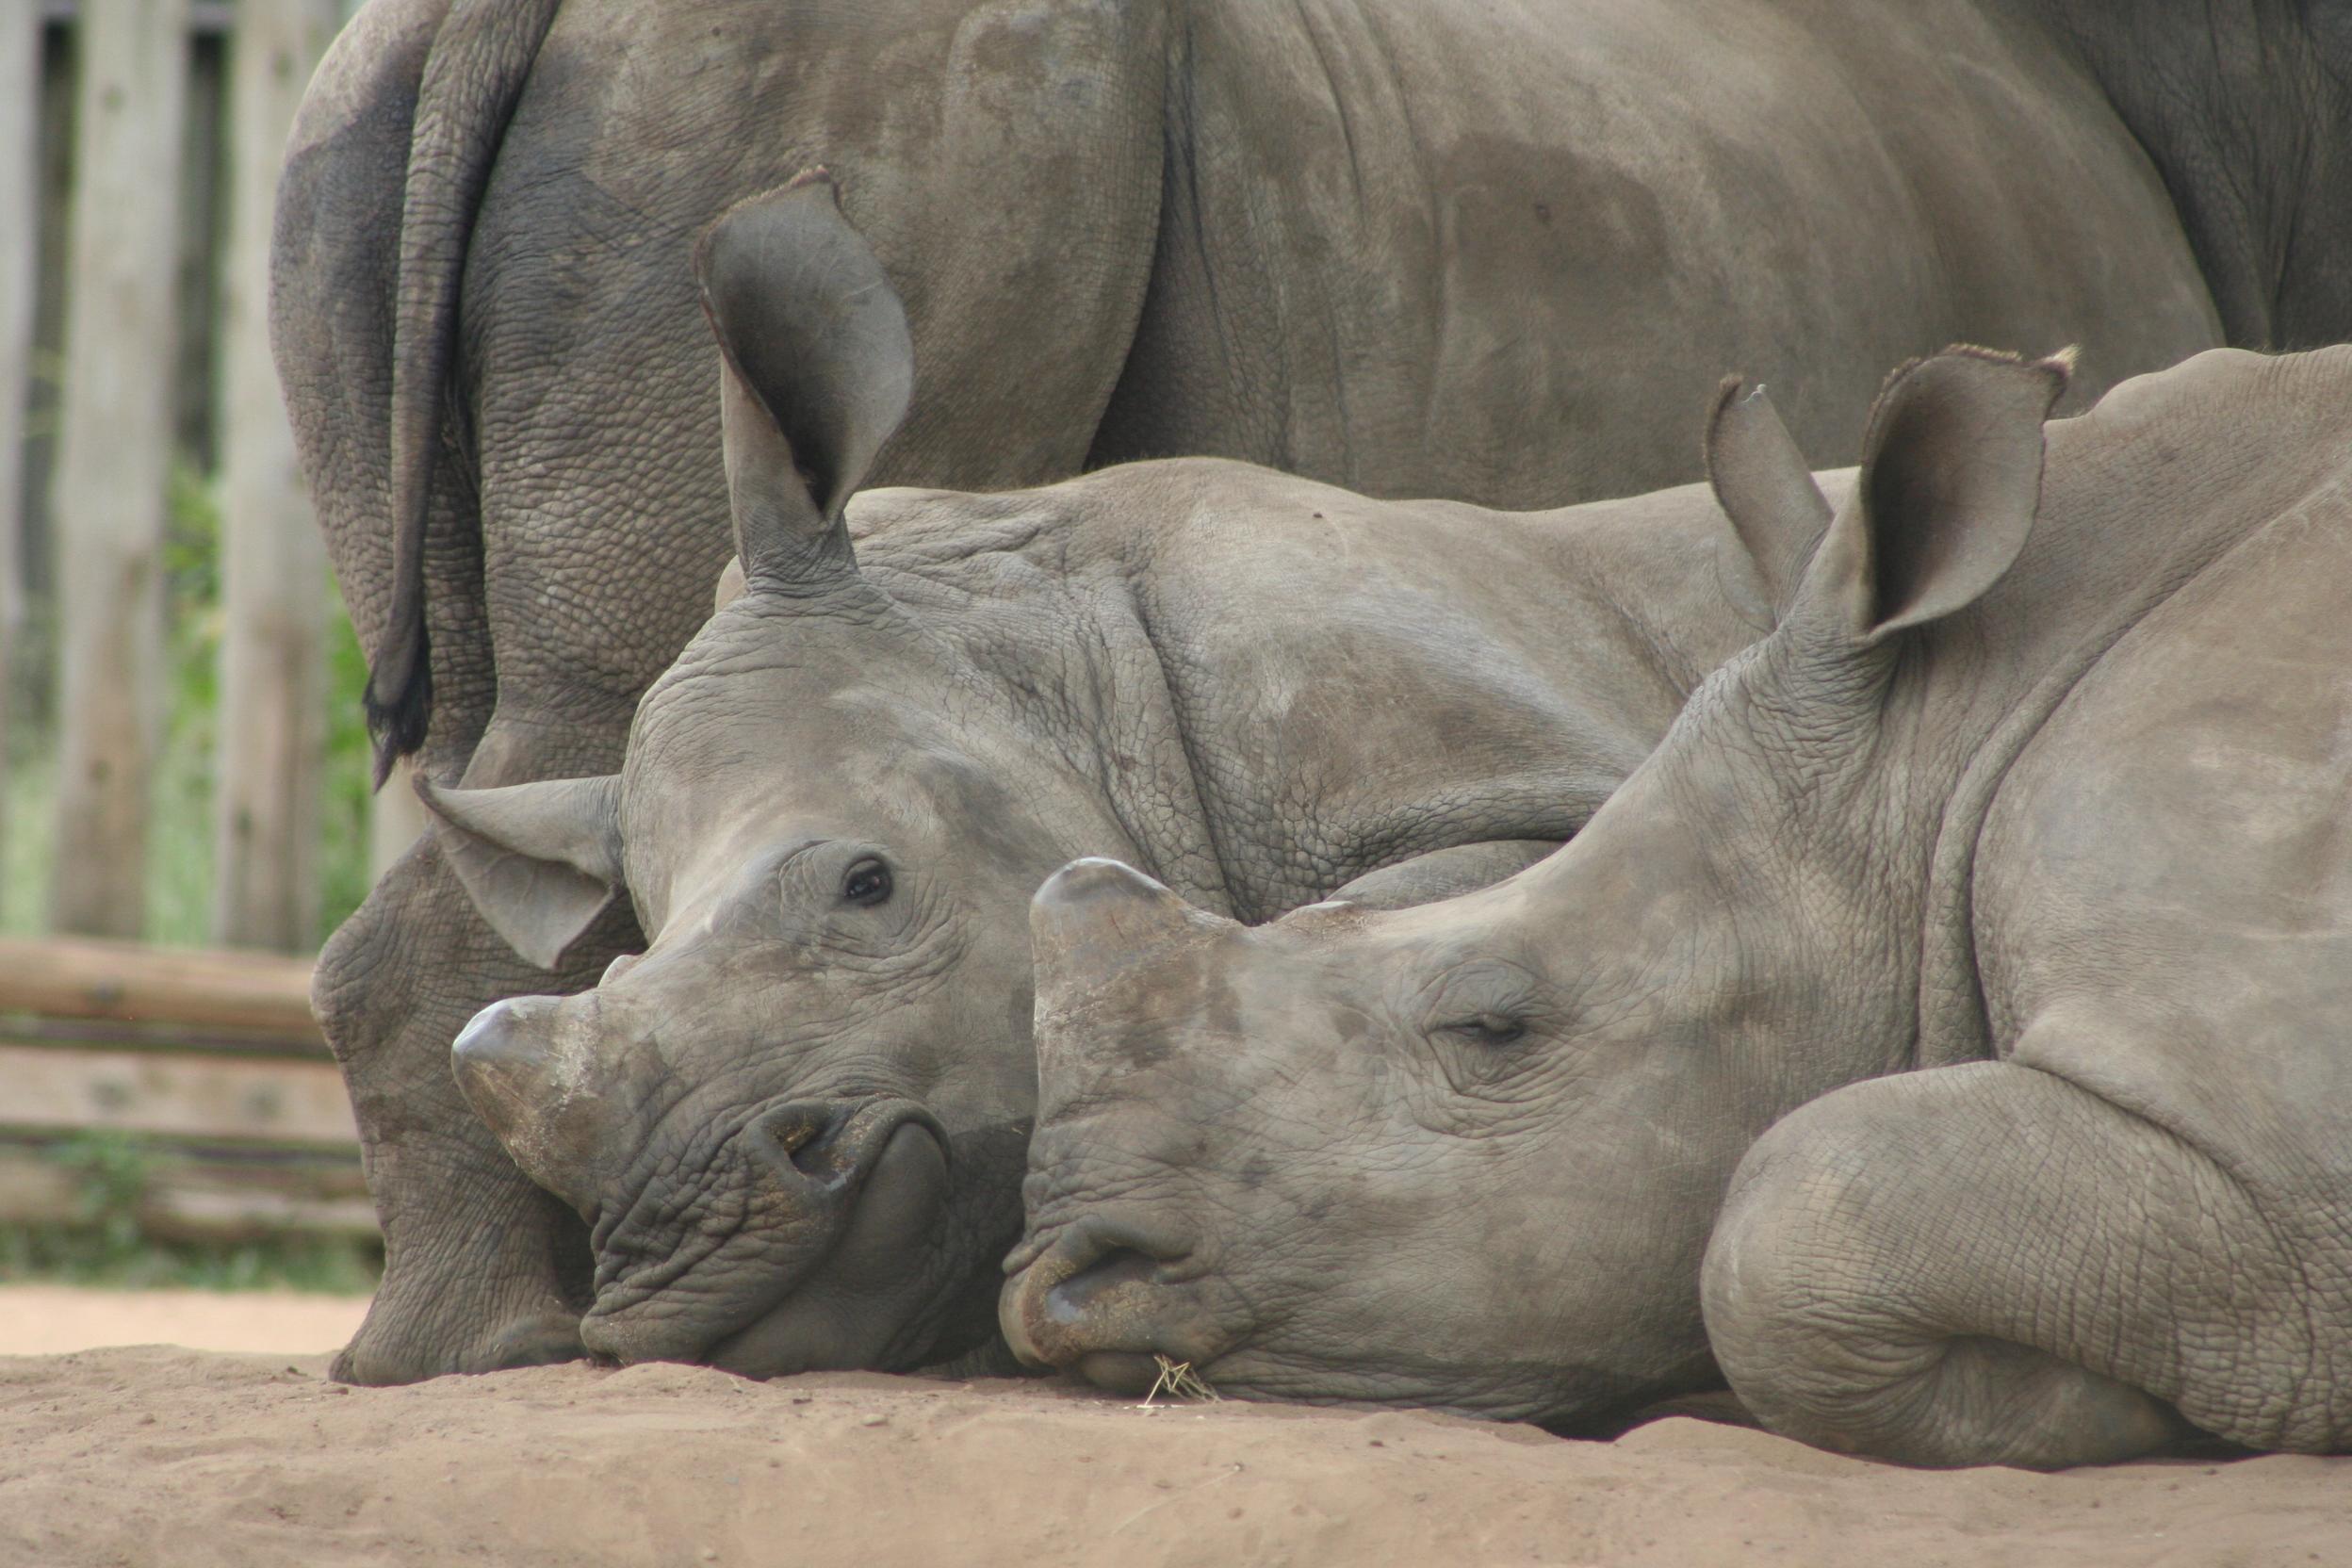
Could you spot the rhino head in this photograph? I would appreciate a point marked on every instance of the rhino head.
(794, 1123)
(1469, 1155)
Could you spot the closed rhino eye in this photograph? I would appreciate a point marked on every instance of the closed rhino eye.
(868, 882)
(1493, 1030)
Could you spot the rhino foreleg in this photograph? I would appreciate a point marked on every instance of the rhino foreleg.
(1987, 1265)
(482, 1268)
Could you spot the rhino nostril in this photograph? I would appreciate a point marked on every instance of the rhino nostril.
(801, 1136)
(1069, 1300)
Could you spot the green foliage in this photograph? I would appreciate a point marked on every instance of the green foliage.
(349, 774)
(81, 1255)
(105, 1244)
(179, 821)
(180, 869)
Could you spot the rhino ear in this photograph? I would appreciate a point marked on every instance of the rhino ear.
(541, 862)
(1763, 486)
(1950, 477)
(816, 371)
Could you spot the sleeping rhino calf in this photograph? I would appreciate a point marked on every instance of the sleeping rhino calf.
(796, 1123)
(1947, 1033)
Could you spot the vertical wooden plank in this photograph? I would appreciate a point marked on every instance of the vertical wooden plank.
(273, 566)
(396, 819)
(115, 450)
(20, 271)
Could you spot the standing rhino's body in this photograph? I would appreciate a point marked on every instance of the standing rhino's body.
(2022, 892)
(1490, 252)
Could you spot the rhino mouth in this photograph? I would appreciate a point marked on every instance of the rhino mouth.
(1109, 1299)
(789, 1251)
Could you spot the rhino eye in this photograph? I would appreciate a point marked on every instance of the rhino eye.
(867, 882)
(1493, 1030)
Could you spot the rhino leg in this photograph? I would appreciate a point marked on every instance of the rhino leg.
(482, 1269)
(1987, 1265)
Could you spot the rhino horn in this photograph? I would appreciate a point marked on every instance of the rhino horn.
(512, 1069)
(1096, 912)
(817, 368)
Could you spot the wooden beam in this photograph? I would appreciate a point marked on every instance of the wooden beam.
(189, 1097)
(273, 564)
(195, 1196)
(203, 16)
(114, 457)
(20, 271)
(260, 992)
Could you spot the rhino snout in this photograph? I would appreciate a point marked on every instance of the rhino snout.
(797, 1247)
(1085, 1300)
(532, 1093)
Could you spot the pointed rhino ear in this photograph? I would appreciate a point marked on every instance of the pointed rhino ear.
(541, 862)
(1763, 486)
(816, 371)
(1950, 477)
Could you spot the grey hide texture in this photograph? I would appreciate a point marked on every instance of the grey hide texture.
(1492, 253)
(796, 1124)
(1942, 1034)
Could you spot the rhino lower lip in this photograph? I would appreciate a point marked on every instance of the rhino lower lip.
(851, 1309)
(1090, 1300)
(845, 1300)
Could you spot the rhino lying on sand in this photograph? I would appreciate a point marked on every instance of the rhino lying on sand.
(1947, 1032)
(796, 1123)
(1492, 251)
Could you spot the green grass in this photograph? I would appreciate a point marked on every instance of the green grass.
(104, 1242)
(64, 1255)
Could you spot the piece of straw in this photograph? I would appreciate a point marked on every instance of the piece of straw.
(1177, 1380)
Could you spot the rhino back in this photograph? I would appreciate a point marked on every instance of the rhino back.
(1490, 252)
(2164, 897)
(1353, 681)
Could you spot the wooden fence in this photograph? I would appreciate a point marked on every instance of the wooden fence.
(139, 143)
(202, 1069)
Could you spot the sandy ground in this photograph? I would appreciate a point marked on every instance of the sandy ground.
(42, 1320)
(155, 1456)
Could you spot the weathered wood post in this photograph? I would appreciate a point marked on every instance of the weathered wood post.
(273, 568)
(114, 456)
(20, 263)
(396, 819)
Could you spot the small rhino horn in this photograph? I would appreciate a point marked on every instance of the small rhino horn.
(1096, 914)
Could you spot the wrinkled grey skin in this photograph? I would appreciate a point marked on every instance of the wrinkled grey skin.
(1942, 1032)
(796, 1124)
(1493, 253)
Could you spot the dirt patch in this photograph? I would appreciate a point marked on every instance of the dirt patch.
(39, 1320)
(152, 1455)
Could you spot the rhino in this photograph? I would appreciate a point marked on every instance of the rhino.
(1488, 253)
(1941, 1035)
(795, 1124)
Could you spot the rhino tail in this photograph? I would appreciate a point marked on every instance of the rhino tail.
(474, 73)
